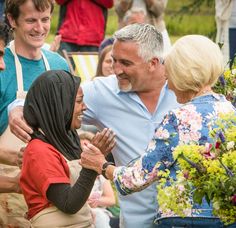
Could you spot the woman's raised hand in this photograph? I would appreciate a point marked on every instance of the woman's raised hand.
(104, 141)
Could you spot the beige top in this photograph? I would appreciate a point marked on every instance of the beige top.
(53, 217)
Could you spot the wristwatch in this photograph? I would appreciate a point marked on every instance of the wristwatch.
(104, 168)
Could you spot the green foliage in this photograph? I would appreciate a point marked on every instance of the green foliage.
(190, 24)
(54, 22)
(205, 172)
(193, 6)
(191, 17)
(112, 22)
(227, 83)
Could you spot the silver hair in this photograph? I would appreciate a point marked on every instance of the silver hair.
(134, 10)
(150, 41)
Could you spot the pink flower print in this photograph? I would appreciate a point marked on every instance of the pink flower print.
(233, 199)
(162, 133)
(208, 147)
(181, 188)
(186, 174)
(190, 122)
(217, 146)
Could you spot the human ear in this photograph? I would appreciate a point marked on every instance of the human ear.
(11, 20)
(153, 64)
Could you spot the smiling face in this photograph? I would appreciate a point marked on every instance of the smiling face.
(31, 28)
(78, 110)
(131, 70)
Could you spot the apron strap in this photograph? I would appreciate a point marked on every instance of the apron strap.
(20, 94)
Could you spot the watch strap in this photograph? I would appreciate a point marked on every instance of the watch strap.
(104, 168)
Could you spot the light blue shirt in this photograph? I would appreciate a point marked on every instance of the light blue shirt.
(134, 127)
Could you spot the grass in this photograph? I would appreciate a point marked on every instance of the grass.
(178, 22)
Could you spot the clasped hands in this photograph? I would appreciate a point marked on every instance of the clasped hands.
(94, 153)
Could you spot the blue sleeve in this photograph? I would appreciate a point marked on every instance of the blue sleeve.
(144, 171)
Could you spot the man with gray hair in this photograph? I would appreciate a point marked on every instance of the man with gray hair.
(132, 103)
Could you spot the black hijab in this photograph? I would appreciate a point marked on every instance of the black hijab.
(49, 106)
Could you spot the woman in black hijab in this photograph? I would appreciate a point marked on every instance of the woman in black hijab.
(53, 186)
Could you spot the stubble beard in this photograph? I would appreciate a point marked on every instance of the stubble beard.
(126, 89)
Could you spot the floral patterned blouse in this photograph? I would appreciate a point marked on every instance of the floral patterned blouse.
(190, 122)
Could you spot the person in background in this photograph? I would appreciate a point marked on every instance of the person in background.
(82, 24)
(104, 43)
(132, 16)
(25, 60)
(191, 79)
(153, 12)
(104, 67)
(54, 186)
(102, 194)
(134, 101)
(223, 9)
(135, 15)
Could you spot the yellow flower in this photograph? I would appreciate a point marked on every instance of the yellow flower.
(227, 74)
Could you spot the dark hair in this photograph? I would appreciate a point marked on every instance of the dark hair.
(106, 42)
(101, 59)
(13, 6)
(5, 33)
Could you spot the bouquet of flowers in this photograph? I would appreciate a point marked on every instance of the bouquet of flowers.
(204, 172)
(226, 84)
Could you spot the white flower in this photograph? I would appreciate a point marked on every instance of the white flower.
(162, 133)
(234, 92)
(181, 188)
(233, 71)
(230, 145)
